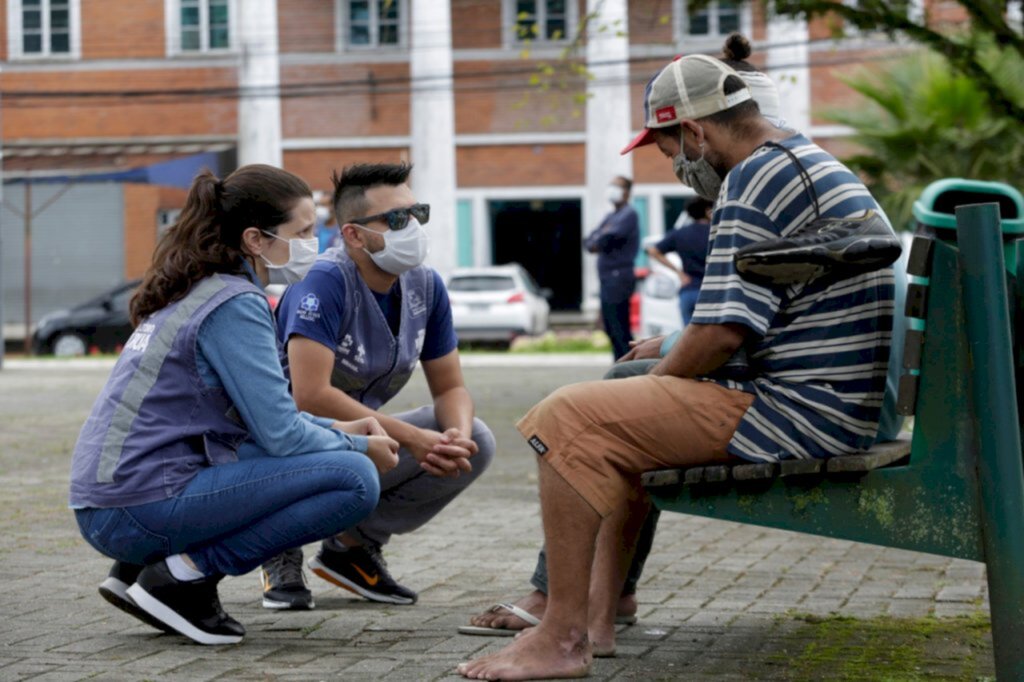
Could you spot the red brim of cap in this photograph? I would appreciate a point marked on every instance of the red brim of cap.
(645, 137)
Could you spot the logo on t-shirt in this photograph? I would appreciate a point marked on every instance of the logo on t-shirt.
(309, 308)
(416, 305)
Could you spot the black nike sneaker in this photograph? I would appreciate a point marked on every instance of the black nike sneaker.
(115, 590)
(191, 607)
(284, 583)
(361, 570)
(843, 246)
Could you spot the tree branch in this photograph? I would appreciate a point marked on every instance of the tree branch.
(881, 16)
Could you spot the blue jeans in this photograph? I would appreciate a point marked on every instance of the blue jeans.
(231, 518)
(687, 302)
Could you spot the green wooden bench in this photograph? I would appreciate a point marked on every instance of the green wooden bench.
(953, 488)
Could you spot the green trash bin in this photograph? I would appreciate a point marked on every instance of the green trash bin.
(936, 210)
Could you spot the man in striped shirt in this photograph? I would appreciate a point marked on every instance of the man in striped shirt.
(811, 384)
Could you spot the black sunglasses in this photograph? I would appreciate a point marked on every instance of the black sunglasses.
(398, 218)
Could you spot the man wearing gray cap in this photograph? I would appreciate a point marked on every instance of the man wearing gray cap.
(818, 352)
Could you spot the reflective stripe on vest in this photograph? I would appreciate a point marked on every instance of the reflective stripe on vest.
(145, 375)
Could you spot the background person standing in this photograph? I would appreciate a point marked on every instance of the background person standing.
(690, 241)
(616, 242)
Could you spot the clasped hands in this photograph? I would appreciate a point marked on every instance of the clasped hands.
(439, 454)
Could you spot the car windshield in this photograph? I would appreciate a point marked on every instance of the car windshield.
(481, 283)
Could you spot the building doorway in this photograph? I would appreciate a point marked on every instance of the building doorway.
(544, 237)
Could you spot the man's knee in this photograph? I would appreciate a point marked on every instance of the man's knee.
(630, 368)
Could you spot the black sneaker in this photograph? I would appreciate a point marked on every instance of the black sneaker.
(191, 607)
(844, 246)
(361, 570)
(284, 583)
(115, 590)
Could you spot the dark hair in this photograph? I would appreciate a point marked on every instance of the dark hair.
(698, 207)
(207, 238)
(349, 200)
(738, 117)
(625, 181)
(735, 52)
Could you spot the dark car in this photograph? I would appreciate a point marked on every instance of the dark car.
(100, 323)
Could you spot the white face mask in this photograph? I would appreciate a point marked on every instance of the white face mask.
(322, 214)
(301, 256)
(403, 249)
(615, 194)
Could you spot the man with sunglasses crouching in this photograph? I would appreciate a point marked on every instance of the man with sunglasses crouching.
(352, 333)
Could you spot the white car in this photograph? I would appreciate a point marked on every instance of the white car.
(659, 297)
(497, 303)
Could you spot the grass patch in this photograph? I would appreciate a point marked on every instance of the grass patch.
(888, 649)
(565, 342)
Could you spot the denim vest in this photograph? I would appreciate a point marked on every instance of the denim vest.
(371, 365)
(156, 422)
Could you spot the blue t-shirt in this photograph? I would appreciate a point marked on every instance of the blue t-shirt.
(327, 284)
(691, 243)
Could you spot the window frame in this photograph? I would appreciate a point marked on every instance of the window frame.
(714, 36)
(342, 13)
(172, 13)
(510, 23)
(15, 33)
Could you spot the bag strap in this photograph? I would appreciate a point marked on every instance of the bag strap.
(804, 175)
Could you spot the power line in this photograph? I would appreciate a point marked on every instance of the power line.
(387, 85)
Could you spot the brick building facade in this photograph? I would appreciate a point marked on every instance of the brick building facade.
(101, 84)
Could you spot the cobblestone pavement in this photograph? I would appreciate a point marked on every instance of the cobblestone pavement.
(716, 601)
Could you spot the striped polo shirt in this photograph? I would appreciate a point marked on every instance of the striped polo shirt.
(819, 351)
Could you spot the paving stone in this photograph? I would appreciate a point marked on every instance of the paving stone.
(714, 601)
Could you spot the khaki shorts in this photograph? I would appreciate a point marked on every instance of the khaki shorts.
(601, 435)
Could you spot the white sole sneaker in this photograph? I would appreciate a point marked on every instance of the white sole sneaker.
(341, 581)
(287, 606)
(116, 593)
(173, 619)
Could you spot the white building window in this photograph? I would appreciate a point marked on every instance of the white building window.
(39, 29)
(372, 23)
(715, 19)
(200, 26)
(540, 21)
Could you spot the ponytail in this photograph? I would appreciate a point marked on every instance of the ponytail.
(207, 238)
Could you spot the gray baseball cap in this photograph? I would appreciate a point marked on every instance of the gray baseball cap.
(689, 87)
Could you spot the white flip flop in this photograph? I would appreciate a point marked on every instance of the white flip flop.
(501, 632)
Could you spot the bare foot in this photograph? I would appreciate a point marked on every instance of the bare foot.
(627, 605)
(602, 639)
(534, 655)
(534, 603)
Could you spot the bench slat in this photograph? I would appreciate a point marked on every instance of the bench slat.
(800, 467)
(753, 472)
(881, 455)
(878, 456)
(716, 474)
(919, 263)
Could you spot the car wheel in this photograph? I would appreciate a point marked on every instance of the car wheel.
(68, 345)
